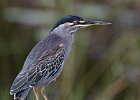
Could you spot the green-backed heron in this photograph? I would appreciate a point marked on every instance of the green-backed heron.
(46, 60)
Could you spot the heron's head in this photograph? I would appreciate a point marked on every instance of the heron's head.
(73, 23)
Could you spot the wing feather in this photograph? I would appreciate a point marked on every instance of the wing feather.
(47, 65)
(43, 61)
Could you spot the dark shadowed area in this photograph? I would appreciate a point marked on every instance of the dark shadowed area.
(105, 60)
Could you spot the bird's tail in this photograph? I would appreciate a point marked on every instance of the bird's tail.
(21, 95)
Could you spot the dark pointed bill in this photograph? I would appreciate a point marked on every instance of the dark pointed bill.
(90, 22)
(86, 23)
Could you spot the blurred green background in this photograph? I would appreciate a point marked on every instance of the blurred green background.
(105, 60)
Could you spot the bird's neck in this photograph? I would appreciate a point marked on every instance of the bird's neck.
(64, 34)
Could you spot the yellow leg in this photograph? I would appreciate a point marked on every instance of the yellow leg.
(43, 93)
(36, 93)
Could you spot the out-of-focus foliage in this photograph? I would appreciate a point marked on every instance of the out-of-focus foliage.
(104, 62)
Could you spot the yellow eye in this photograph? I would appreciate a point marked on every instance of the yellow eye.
(81, 21)
(78, 21)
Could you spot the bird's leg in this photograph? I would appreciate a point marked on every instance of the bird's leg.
(43, 93)
(36, 93)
